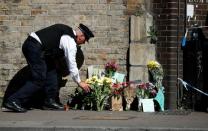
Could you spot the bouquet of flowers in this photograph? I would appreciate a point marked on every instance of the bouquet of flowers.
(117, 89)
(100, 91)
(156, 71)
(111, 68)
(146, 90)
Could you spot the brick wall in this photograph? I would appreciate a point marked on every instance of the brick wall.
(170, 31)
(106, 18)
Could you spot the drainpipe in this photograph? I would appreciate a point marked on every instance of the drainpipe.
(179, 90)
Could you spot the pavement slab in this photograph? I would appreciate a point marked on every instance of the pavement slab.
(82, 120)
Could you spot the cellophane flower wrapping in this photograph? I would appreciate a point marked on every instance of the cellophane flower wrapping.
(156, 71)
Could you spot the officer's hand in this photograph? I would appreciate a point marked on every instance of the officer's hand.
(84, 86)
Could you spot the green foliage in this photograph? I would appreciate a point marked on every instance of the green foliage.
(152, 34)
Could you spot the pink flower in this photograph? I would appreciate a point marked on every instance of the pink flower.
(116, 85)
(111, 66)
(146, 90)
(153, 92)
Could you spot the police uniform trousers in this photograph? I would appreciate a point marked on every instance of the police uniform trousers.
(42, 77)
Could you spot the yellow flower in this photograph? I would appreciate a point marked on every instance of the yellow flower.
(107, 80)
(153, 64)
(88, 81)
(92, 80)
(100, 82)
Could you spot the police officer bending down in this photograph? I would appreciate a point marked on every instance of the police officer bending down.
(54, 41)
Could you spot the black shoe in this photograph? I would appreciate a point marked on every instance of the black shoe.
(52, 105)
(14, 107)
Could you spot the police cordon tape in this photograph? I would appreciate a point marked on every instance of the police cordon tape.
(187, 85)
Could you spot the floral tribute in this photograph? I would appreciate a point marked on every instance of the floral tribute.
(156, 71)
(110, 68)
(146, 90)
(100, 91)
(104, 89)
(117, 89)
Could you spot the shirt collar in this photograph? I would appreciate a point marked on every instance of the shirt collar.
(74, 32)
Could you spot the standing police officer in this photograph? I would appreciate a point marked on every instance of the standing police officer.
(52, 42)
